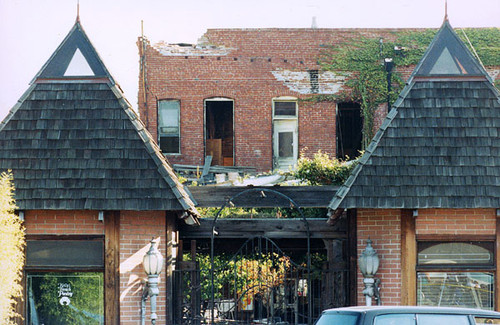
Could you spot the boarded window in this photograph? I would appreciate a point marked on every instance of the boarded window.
(168, 126)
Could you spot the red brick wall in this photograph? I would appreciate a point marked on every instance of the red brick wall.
(245, 75)
(61, 222)
(243, 72)
(456, 222)
(136, 230)
(383, 227)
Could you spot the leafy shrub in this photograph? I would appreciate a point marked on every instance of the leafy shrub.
(11, 255)
(323, 170)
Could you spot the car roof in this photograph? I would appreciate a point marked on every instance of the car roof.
(375, 310)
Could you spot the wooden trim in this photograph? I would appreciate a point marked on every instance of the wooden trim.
(497, 265)
(112, 267)
(408, 259)
(455, 238)
(303, 196)
(352, 248)
(172, 244)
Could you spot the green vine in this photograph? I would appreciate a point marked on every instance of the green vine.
(360, 60)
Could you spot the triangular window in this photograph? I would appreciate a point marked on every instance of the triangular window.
(445, 64)
(78, 66)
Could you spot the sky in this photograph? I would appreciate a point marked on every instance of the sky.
(31, 30)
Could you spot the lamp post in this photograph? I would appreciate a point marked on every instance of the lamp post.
(368, 264)
(153, 264)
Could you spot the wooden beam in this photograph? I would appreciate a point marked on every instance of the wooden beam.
(408, 259)
(172, 251)
(303, 196)
(352, 248)
(273, 228)
(112, 267)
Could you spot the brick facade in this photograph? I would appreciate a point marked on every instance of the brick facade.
(252, 67)
(383, 227)
(136, 230)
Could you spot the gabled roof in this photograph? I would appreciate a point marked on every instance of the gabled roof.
(75, 57)
(77, 144)
(439, 146)
(447, 55)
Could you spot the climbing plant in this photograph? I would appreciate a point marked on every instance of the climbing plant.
(361, 60)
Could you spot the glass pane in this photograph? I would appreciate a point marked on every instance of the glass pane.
(486, 320)
(433, 319)
(285, 144)
(337, 319)
(65, 253)
(455, 289)
(285, 108)
(65, 298)
(168, 116)
(455, 253)
(395, 319)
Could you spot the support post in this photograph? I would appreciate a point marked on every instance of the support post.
(408, 258)
(112, 267)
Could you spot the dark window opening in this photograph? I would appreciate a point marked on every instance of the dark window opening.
(219, 132)
(349, 130)
(314, 80)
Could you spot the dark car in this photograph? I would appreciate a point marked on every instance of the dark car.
(407, 315)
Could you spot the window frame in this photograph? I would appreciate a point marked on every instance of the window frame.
(484, 242)
(166, 135)
(289, 100)
(40, 269)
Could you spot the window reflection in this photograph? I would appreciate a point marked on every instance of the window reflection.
(65, 298)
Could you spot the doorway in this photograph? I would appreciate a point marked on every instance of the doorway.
(285, 133)
(219, 131)
(349, 130)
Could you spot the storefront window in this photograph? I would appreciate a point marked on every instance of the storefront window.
(64, 280)
(65, 298)
(456, 275)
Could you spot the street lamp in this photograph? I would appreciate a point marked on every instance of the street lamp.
(153, 264)
(368, 264)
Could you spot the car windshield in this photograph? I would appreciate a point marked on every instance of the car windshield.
(338, 319)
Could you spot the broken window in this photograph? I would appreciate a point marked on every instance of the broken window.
(168, 126)
(349, 130)
(219, 134)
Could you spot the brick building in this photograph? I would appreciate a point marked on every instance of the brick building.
(427, 190)
(92, 188)
(236, 96)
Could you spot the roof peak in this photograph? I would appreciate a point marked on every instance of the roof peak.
(448, 56)
(74, 59)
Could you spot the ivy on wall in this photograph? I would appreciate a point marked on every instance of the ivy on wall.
(360, 60)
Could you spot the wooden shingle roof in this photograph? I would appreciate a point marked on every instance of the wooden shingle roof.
(439, 146)
(76, 143)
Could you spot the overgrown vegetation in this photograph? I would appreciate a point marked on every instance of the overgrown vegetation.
(12, 253)
(360, 60)
(323, 170)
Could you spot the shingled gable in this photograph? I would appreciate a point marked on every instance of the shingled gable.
(75, 143)
(439, 146)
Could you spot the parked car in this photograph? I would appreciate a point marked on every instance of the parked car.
(407, 315)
